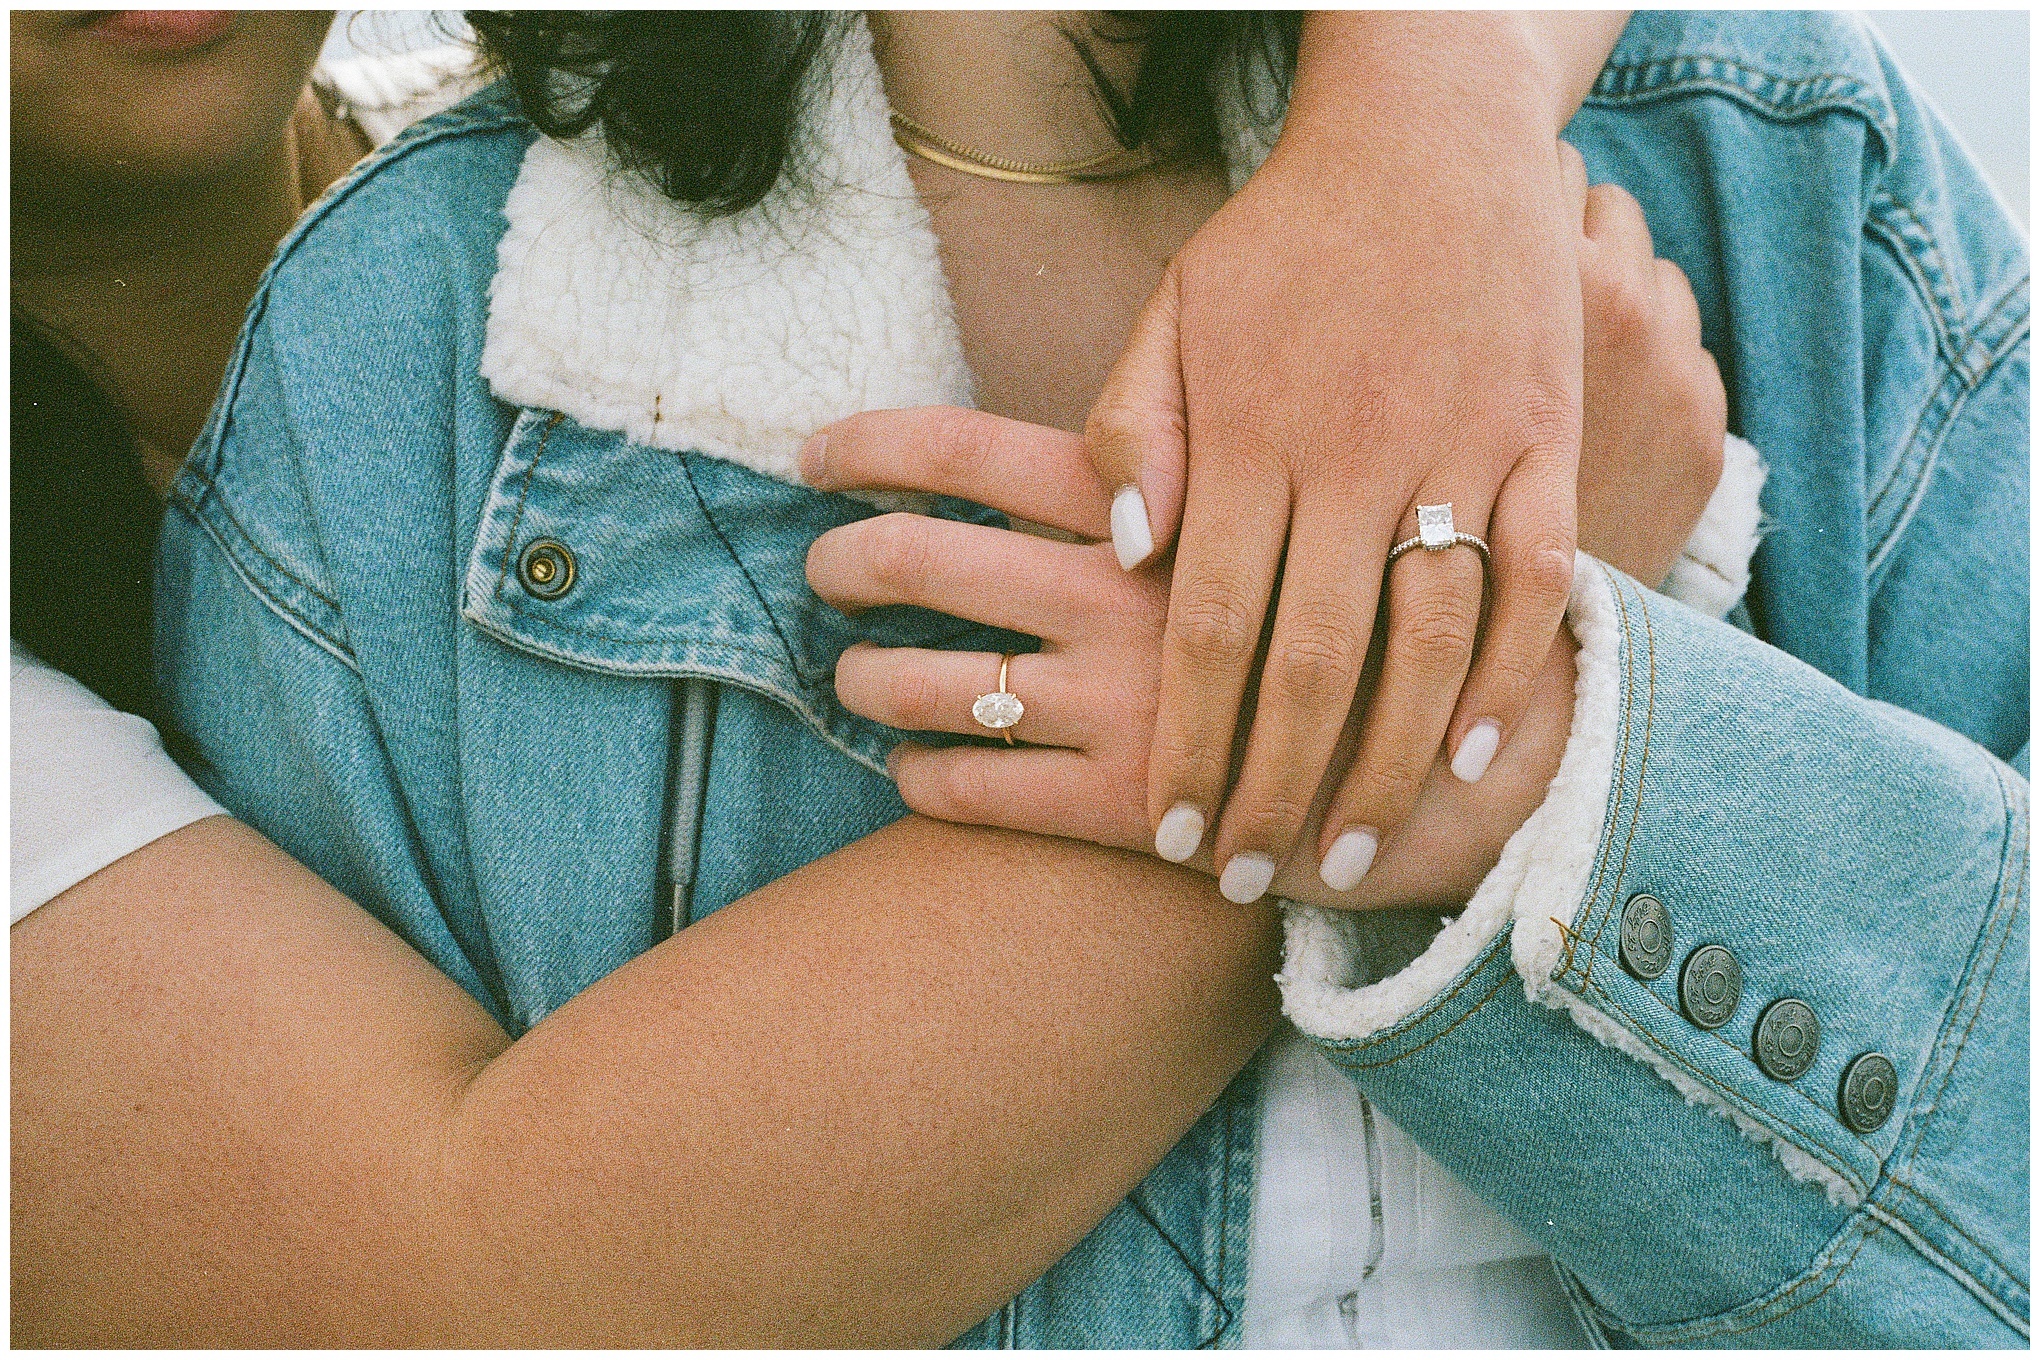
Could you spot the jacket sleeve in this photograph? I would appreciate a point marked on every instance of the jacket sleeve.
(1599, 1043)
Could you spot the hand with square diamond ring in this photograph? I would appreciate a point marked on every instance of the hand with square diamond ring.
(1421, 349)
(1084, 705)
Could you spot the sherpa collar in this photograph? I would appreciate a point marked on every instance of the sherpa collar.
(741, 336)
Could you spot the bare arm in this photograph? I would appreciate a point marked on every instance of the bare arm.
(865, 1104)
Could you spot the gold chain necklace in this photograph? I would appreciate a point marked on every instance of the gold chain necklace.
(931, 145)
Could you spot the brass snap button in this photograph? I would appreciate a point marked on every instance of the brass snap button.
(1869, 1091)
(1646, 937)
(1710, 986)
(546, 569)
(1786, 1038)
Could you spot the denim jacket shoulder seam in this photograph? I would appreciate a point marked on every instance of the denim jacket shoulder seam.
(295, 619)
(1974, 989)
(1930, 428)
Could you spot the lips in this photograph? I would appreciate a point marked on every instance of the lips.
(161, 30)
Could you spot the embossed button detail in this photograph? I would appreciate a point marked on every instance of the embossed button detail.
(1869, 1090)
(546, 569)
(1646, 938)
(1710, 986)
(1786, 1038)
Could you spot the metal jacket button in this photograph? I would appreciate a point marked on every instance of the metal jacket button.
(546, 569)
(1710, 986)
(1786, 1038)
(1646, 937)
(1869, 1090)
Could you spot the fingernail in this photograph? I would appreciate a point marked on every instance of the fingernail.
(812, 456)
(1246, 877)
(1477, 750)
(1131, 537)
(1349, 859)
(1180, 833)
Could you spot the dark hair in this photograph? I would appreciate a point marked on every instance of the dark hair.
(704, 103)
(84, 522)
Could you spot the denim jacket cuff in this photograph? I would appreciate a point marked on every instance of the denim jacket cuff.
(1543, 871)
(1713, 570)
(1541, 878)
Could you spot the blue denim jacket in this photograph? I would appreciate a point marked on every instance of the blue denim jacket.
(515, 775)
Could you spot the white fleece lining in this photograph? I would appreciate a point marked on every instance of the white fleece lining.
(1713, 571)
(740, 336)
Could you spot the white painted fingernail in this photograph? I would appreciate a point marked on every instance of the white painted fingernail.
(1349, 859)
(1477, 750)
(1179, 835)
(1132, 539)
(1246, 877)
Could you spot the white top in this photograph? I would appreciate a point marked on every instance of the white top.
(90, 782)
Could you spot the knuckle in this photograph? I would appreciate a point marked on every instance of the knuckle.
(963, 447)
(1215, 628)
(1269, 822)
(1548, 416)
(1544, 569)
(1317, 666)
(1390, 788)
(1433, 637)
(961, 790)
(911, 698)
(1672, 279)
(1614, 199)
(901, 550)
(1508, 678)
(1194, 770)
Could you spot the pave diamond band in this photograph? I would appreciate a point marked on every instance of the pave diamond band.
(1001, 709)
(1435, 534)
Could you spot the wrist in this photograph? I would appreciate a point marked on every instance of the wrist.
(1398, 78)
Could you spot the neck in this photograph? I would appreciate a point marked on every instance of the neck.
(1008, 83)
(150, 281)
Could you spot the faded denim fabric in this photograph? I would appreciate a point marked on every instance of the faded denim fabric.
(345, 637)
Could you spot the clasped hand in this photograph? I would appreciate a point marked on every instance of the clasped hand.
(1651, 454)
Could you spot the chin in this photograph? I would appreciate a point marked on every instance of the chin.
(101, 107)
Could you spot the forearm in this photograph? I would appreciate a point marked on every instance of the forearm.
(865, 1104)
(926, 1066)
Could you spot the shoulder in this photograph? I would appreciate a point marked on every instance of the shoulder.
(1784, 64)
(442, 181)
(391, 265)
(354, 386)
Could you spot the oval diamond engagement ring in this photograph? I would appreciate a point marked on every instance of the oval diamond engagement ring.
(1000, 710)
